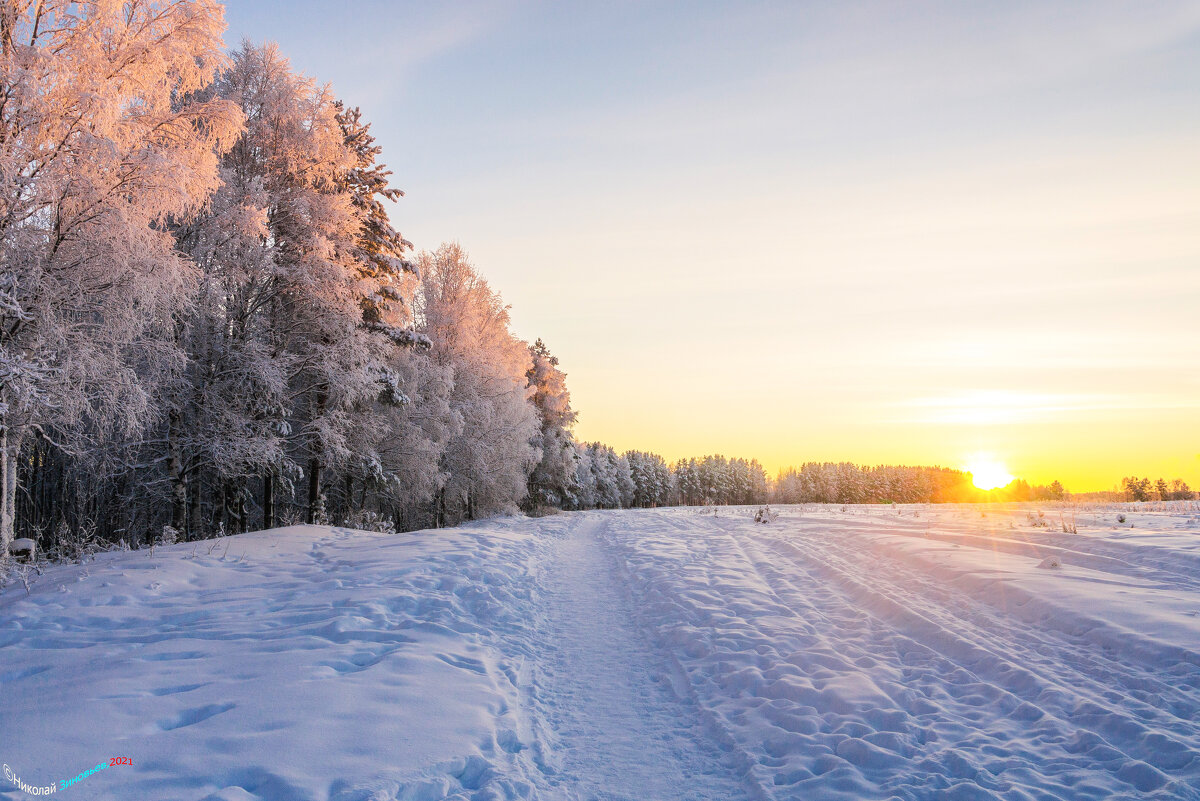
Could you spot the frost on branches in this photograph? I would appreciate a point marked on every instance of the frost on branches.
(553, 480)
(107, 135)
(487, 459)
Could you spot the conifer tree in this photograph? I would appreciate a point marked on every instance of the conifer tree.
(553, 477)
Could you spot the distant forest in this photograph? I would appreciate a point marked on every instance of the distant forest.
(1143, 489)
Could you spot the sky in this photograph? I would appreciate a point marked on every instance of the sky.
(899, 232)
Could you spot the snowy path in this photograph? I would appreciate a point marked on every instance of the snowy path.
(620, 731)
(840, 654)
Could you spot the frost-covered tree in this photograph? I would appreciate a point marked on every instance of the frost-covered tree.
(381, 253)
(105, 137)
(299, 311)
(712, 479)
(1137, 489)
(624, 477)
(394, 447)
(609, 479)
(553, 478)
(687, 482)
(583, 492)
(844, 482)
(276, 312)
(654, 484)
(488, 460)
(411, 439)
(607, 494)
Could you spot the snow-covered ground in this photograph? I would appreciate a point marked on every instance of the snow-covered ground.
(837, 653)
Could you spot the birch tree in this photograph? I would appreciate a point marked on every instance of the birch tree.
(104, 138)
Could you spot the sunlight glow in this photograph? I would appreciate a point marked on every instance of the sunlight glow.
(987, 473)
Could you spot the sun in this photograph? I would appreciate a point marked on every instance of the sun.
(987, 473)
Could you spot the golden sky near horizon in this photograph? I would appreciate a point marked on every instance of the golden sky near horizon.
(1049, 321)
(872, 232)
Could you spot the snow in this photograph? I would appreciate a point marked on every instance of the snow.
(23, 546)
(837, 653)
(297, 663)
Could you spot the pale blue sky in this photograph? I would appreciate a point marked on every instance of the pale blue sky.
(791, 230)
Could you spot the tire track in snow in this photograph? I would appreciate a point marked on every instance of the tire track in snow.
(1000, 632)
(1145, 562)
(849, 675)
(1080, 698)
(1039, 638)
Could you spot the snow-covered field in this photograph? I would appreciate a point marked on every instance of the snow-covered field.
(837, 653)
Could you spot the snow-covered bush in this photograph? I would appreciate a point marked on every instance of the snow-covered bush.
(13, 572)
(75, 544)
(542, 510)
(766, 514)
(368, 520)
(320, 511)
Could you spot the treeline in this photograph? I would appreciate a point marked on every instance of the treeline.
(1143, 489)
(605, 479)
(843, 482)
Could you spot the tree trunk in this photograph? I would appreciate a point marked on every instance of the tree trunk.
(239, 511)
(175, 470)
(314, 467)
(314, 490)
(8, 490)
(268, 501)
(10, 452)
(193, 503)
